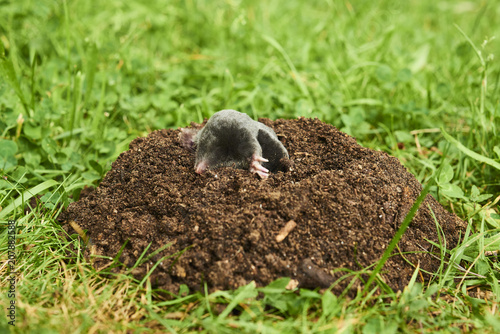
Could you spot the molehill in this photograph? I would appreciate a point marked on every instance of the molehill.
(338, 207)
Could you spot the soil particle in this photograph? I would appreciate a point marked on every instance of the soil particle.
(338, 207)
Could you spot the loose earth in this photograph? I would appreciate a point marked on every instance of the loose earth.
(338, 207)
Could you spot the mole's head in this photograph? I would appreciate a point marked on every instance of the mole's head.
(226, 149)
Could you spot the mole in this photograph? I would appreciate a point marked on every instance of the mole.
(233, 139)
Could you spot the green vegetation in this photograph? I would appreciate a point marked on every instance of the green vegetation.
(80, 79)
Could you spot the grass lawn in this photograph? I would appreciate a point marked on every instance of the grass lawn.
(80, 79)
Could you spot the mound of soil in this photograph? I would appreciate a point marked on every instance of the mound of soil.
(338, 207)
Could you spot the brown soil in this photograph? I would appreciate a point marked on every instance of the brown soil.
(346, 201)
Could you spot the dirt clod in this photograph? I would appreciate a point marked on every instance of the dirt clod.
(346, 201)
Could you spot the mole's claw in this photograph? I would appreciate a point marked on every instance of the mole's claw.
(256, 157)
(262, 174)
(256, 167)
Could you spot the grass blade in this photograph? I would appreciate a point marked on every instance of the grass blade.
(399, 234)
(470, 153)
(290, 64)
(7, 71)
(26, 196)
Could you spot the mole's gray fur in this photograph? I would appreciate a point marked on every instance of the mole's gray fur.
(232, 139)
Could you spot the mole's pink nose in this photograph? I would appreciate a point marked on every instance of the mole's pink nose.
(201, 167)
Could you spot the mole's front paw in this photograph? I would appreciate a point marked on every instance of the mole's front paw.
(256, 167)
(186, 137)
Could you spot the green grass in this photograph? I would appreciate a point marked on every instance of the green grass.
(80, 79)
